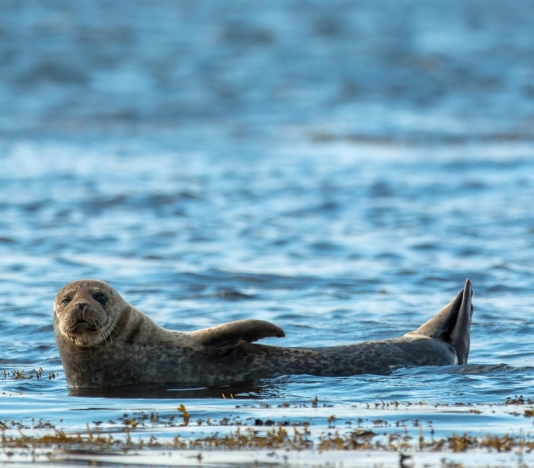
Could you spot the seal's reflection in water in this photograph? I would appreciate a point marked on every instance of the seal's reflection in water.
(250, 390)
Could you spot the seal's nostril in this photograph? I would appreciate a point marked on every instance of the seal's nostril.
(81, 305)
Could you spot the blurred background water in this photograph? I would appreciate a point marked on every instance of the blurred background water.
(338, 168)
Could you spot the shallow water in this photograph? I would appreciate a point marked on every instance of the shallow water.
(216, 164)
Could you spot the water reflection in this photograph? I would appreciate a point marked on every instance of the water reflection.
(242, 390)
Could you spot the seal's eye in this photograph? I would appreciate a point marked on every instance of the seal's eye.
(65, 300)
(100, 298)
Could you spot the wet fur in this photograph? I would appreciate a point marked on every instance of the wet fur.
(127, 347)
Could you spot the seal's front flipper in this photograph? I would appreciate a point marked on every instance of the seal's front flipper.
(453, 323)
(227, 336)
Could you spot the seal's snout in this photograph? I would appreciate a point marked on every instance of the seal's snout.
(82, 319)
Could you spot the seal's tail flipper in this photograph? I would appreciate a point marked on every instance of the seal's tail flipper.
(453, 323)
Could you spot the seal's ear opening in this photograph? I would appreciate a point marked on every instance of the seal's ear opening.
(225, 337)
(453, 323)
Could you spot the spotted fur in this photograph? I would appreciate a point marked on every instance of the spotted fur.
(129, 348)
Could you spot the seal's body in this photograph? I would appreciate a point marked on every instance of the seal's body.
(103, 342)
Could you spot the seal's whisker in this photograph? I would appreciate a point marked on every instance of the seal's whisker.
(109, 335)
(100, 329)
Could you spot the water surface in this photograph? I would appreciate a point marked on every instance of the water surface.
(338, 171)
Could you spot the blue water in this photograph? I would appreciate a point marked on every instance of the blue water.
(336, 169)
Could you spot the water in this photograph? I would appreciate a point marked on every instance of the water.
(338, 171)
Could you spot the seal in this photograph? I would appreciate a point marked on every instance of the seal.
(105, 342)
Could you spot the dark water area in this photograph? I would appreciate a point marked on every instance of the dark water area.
(336, 168)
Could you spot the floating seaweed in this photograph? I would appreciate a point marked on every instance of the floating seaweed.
(257, 435)
(15, 374)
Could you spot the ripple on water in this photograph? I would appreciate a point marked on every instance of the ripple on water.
(344, 200)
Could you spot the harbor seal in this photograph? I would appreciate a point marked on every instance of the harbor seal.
(105, 342)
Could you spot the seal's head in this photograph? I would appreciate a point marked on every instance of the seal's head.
(87, 311)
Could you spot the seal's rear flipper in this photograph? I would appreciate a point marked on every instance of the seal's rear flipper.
(228, 335)
(453, 323)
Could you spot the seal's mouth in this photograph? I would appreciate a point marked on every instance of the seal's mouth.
(85, 323)
(82, 326)
(85, 332)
